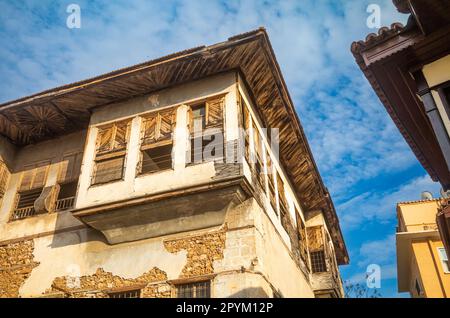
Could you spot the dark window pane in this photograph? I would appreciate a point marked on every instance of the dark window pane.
(318, 263)
(194, 290)
(157, 159)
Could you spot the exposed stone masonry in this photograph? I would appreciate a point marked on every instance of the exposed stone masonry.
(98, 284)
(16, 264)
(202, 251)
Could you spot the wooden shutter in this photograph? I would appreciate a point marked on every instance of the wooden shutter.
(281, 191)
(121, 134)
(166, 124)
(302, 237)
(214, 110)
(27, 179)
(33, 178)
(40, 176)
(315, 238)
(247, 118)
(4, 175)
(70, 167)
(149, 133)
(109, 170)
(104, 139)
(257, 141)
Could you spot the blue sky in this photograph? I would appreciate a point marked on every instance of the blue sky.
(364, 161)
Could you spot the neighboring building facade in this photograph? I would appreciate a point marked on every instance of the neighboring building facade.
(101, 194)
(423, 268)
(409, 69)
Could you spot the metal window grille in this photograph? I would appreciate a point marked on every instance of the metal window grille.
(126, 294)
(318, 263)
(194, 290)
(25, 204)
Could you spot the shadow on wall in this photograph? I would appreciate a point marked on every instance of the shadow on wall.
(75, 237)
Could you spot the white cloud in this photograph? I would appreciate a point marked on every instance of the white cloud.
(377, 252)
(380, 206)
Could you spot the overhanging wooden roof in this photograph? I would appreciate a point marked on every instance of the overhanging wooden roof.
(67, 108)
(388, 58)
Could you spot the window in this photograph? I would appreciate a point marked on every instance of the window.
(110, 153)
(257, 157)
(30, 188)
(301, 230)
(270, 179)
(206, 131)
(444, 260)
(25, 203)
(68, 180)
(4, 174)
(136, 293)
(194, 290)
(318, 263)
(157, 144)
(66, 195)
(284, 213)
(247, 125)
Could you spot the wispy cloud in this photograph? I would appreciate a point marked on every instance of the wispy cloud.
(381, 206)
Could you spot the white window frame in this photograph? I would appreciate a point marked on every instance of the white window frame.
(444, 260)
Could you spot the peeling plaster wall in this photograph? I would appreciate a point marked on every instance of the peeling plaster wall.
(246, 255)
(83, 252)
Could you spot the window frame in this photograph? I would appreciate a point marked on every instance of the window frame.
(208, 129)
(316, 266)
(113, 152)
(4, 178)
(113, 293)
(194, 283)
(444, 260)
(159, 140)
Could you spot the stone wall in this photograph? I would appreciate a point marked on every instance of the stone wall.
(100, 283)
(16, 264)
(201, 250)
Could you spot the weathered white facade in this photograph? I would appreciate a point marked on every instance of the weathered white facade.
(202, 229)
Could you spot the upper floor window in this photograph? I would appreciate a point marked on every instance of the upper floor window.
(31, 186)
(301, 230)
(110, 152)
(284, 212)
(194, 290)
(247, 125)
(444, 260)
(258, 156)
(317, 252)
(271, 182)
(68, 180)
(318, 262)
(157, 142)
(206, 130)
(4, 174)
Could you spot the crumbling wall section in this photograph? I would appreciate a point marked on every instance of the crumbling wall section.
(202, 251)
(16, 264)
